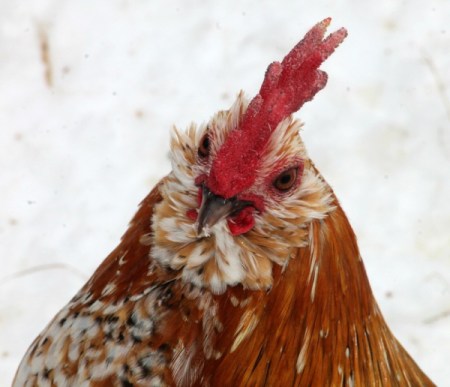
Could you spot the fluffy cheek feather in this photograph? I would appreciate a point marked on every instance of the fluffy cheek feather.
(242, 248)
(224, 259)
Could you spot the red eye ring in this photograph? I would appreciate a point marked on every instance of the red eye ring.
(204, 147)
(286, 179)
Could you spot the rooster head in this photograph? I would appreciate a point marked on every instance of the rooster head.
(243, 190)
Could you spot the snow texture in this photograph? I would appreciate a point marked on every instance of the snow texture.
(89, 91)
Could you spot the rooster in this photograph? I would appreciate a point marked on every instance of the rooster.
(240, 267)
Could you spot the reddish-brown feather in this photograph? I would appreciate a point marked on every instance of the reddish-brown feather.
(343, 314)
(132, 277)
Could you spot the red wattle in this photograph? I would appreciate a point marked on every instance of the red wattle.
(192, 214)
(242, 222)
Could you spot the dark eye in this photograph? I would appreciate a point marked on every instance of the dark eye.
(286, 179)
(203, 149)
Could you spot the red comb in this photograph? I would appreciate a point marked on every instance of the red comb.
(286, 87)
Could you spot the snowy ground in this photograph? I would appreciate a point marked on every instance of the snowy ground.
(89, 90)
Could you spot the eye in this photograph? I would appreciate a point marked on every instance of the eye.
(286, 179)
(203, 149)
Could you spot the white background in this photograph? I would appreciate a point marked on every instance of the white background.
(80, 149)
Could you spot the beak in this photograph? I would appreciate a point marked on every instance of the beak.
(215, 208)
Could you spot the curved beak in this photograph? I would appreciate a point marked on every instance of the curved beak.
(215, 208)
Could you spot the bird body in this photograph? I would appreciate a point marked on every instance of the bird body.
(239, 268)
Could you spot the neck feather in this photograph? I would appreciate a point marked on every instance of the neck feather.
(326, 318)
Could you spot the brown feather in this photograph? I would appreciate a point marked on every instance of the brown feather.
(288, 335)
(340, 333)
(340, 330)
